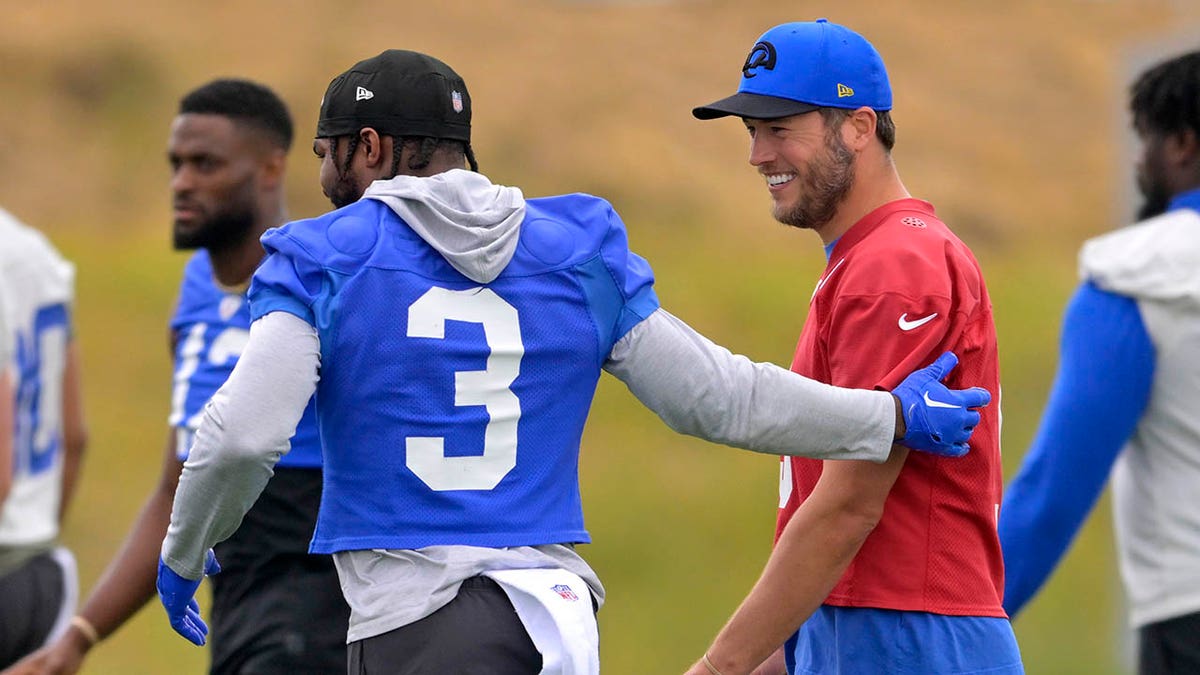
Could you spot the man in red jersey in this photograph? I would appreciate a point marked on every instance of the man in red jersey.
(892, 567)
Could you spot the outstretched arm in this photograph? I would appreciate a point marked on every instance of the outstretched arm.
(1100, 392)
(700, 388)
(246, 429)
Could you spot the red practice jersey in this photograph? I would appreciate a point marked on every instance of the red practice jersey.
(899, 290)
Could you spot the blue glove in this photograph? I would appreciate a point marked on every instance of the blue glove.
(177, 594)
(937, 419)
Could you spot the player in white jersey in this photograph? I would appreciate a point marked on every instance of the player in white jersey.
(227, 150)
(45, 429)
(1126, 399)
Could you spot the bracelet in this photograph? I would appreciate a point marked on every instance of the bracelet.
(89, 631)
(709, 664)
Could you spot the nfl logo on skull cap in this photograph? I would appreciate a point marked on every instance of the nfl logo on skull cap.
(564, 591)
(456, 101)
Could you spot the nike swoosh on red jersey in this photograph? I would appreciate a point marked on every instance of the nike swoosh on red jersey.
(907, 325)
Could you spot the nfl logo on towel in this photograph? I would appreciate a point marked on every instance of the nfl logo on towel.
(456, 101)
(565, 592)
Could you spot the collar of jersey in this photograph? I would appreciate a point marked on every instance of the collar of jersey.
(868, 223)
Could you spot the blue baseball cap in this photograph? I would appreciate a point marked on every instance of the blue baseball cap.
(796, 68)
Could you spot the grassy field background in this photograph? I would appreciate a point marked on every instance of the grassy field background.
(1009, 119)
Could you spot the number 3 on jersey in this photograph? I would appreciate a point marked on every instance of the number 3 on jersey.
(490, 388)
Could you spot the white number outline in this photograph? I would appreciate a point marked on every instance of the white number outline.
(491, 388)
(226, 347)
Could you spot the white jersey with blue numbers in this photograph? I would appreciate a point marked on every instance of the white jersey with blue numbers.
(452, 407)
(39, 293)
(210, 329)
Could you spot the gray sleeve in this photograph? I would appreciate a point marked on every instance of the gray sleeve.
(701, 389)
(247, 427)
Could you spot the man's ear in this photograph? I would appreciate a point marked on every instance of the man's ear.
(273, 168)
(1183, 148)
(859, 128)
(372, 146)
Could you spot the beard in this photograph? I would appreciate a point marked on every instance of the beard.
(344, 191)
(222, 230)
(1155, 198)
(825, 181)
(1151, 208)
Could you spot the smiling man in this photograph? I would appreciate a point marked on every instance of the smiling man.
(891, 567)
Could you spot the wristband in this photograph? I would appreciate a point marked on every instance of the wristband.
(89, 631)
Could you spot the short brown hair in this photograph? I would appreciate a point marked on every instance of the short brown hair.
(885, 128)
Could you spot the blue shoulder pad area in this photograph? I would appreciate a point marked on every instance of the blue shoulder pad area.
(562, 231)
(302, 253)
(584, 232)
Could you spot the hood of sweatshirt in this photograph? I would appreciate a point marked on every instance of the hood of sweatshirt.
(472, 222)
(1158, 259)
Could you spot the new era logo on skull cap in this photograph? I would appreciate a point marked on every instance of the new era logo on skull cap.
(362, 94)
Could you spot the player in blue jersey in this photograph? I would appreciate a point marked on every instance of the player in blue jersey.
(227, 149)
(454, 332)
(1126, 399)
(42, 439)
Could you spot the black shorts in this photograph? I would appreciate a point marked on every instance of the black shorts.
(477, 633)
(277, 609)
(32, 599)
(1170, 647)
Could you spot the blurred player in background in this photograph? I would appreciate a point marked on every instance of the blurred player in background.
(276, 608)
(1126, 398)
(455, 332)
(883, 568)
(43, 429)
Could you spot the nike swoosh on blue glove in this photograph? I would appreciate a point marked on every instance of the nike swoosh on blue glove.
(938, 419)
(177, 596)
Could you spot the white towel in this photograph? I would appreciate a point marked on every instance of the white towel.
(555, 607)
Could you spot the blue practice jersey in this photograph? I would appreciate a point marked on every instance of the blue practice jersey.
(452, 411)
(211, 328)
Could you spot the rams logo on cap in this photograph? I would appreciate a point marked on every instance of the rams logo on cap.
(762, 56)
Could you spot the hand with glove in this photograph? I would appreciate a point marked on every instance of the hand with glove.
(177, 596)
(933, 418)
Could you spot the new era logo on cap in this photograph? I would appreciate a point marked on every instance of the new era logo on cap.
(844, 91)
(398, 93)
